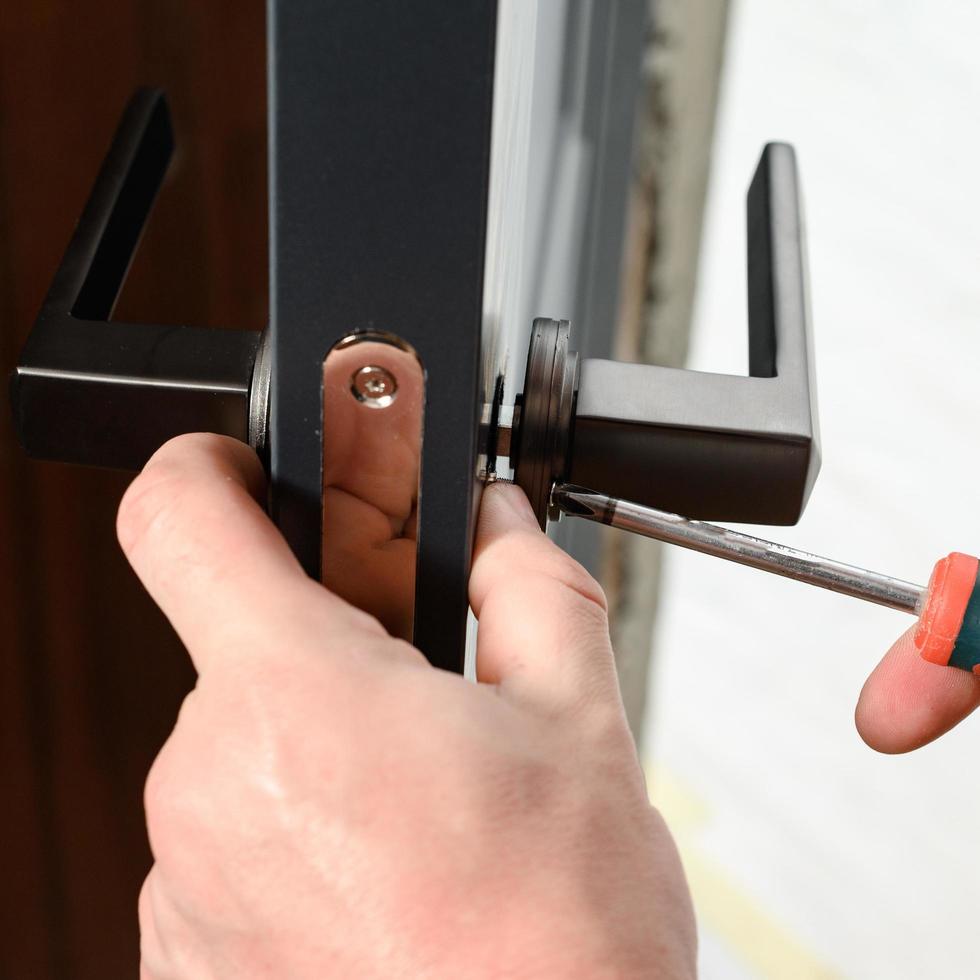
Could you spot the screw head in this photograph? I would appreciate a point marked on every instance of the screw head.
(373, 386)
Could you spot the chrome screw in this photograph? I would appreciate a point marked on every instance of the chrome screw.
(374, 386)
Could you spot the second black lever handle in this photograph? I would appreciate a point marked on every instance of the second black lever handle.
(711, 446)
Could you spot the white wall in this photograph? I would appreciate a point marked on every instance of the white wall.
(810, 854)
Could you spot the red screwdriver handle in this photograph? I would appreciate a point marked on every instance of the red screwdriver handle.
(949, 623)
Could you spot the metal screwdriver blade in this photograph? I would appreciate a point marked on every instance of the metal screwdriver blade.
(734, 546)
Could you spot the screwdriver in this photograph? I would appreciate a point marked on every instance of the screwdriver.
(948, 632)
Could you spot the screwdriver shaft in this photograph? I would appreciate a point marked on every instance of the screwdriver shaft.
(742, 548)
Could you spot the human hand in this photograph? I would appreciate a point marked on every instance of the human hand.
(908, 702)
(330, 805)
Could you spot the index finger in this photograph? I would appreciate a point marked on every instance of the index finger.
(907, 702)
(543, 631)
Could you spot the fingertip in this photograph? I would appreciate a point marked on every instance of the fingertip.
(510, 543)
(505, 506)
(192, 529)
(907, 702)
(230, 456)
(187, 456)
(543, 627)
(881, 720)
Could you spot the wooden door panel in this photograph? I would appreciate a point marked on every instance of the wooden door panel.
(92, 675)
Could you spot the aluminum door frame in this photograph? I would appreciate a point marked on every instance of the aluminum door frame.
(379, 146)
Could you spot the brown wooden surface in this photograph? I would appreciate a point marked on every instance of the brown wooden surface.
(91, 674)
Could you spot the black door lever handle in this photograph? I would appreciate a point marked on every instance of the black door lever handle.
(94, 391)
(709, 446)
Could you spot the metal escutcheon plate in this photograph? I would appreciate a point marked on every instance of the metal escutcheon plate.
(373, 396)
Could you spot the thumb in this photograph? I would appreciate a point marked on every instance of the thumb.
(193, 531)
(544, 634)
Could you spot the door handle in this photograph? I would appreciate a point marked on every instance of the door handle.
(709, 446)
(100, 392)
